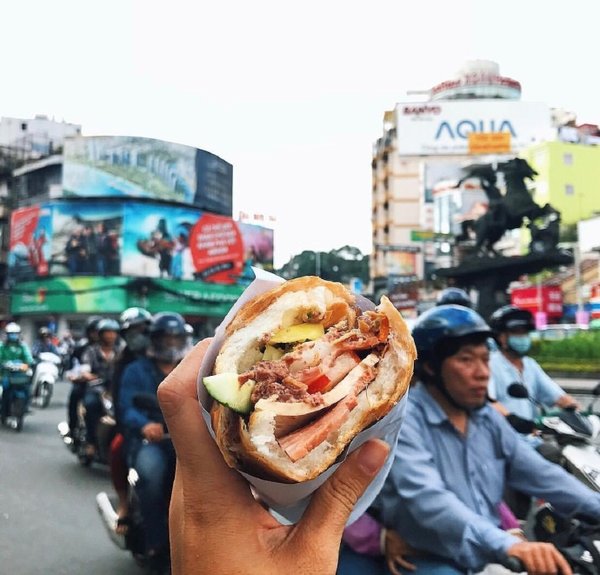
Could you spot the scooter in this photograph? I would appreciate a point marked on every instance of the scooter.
(16, 382)
(134, 540)
(576, 436)
(577, 539)
(105, 429)
(45, 376)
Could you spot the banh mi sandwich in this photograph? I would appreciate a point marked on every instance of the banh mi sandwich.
(301, 371)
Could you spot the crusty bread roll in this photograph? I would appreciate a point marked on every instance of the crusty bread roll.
(293, 440)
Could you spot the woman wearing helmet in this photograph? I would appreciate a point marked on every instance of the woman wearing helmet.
(511, 364)
(152, 456)
(456, 455)
(101, 357)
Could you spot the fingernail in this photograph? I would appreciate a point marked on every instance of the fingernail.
(371, 456)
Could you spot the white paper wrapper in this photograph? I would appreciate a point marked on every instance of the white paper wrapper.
(290, 500)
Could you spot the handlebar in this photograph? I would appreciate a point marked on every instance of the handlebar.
(513, 563)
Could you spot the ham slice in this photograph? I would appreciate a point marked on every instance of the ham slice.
(301, 442)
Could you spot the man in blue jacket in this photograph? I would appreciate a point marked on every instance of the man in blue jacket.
(456, 455)
(148, 450)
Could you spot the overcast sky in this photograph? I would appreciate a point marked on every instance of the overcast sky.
(291, 93)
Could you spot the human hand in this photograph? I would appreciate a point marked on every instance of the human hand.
(540, 558)
(216, 525)
(568, 402)
(395, 551)
(153, 432)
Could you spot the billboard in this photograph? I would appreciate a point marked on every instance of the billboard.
(114, 294)
(140, 239)
(547, 299)
(123, 166)
(443, 128)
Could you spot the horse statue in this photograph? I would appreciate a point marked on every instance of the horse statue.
(506, 212)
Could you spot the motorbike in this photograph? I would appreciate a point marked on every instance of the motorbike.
(134, 540)
(105, 429)
(45, 376)
(573, 436)
(577, 538)
(16, 382)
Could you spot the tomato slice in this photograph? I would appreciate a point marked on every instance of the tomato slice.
(318, 384)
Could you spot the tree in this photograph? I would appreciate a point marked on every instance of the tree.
(339, 265)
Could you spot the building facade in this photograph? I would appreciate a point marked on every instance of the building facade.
(417, 164)
(115, 222)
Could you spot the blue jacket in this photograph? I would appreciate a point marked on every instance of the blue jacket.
(444, 488)
(140, 376)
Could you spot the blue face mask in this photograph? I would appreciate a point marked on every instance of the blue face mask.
(520, 344)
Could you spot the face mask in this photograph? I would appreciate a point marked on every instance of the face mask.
(137, 342)
(520, 344)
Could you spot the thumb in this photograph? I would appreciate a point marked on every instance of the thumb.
(331, 505)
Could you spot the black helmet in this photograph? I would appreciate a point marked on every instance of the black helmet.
(167, 323)
(511, 317)
(443, 323)
(92, 323)
(134, 316)
(454, 295)
(107, 324)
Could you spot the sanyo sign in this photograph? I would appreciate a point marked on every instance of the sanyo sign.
(439, 128)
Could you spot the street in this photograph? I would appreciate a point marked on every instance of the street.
(48, 517)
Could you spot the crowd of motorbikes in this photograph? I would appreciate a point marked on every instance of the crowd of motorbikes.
(572, 438)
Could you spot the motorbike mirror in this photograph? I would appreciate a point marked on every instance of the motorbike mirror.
(146, 401)
(517, 390)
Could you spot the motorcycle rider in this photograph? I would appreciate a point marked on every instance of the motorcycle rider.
(135, 323)
(101, 357)
(456, 455)
(12, 349)
(79, 383)
(511, 364)
(153, 458)
(44, 343)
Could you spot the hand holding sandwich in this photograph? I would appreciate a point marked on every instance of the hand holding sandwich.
(216, 525)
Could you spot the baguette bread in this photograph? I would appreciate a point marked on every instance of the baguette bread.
(293, 439)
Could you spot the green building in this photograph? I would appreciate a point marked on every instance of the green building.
(569, 178)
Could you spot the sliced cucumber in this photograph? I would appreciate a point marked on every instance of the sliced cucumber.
(300, 332)
(225, 388)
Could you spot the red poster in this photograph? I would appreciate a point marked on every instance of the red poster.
(217, 249)
(547, 299)
(25, 238)
(23, 223)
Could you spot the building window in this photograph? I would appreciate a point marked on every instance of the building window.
(24, 127)
(568, 159)
(569, 189)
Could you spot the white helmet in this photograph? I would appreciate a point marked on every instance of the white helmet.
(12, 327)
(13, 332)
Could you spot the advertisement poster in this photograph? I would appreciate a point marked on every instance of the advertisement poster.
(29, 246)
(217, 250)
(403, 292)
(86, 239)
(401, 263)
(546, 299)
(123, 166)
(258, 246)
(156, 241)
(443, 127)
(134, 239)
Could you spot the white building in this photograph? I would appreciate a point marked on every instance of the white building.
(35, 137)
(475, 117)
